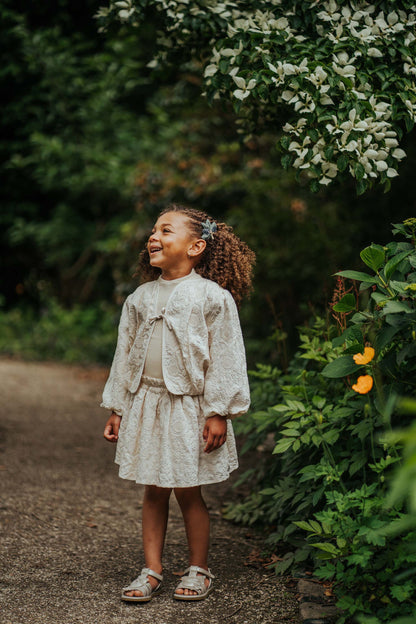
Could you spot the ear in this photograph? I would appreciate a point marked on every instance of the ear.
(197, 248)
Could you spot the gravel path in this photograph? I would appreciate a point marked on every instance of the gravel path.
(70, 527)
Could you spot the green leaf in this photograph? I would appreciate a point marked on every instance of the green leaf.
(268, 492)
(384, 336)
(346, 304)
(305, 526)
(409, 123)
(341, 367)
(342, 162)
(402, 592)
(331, 436)
(373, 256)
(399, 287)
(318, 401)
(282, 446)
(395, 307)
(361, 187)
(351, 336)
(327, 547)
(359, 275)
(359, 171)
(296, 406)
(393, 263)
(285, 141)
(315, 526)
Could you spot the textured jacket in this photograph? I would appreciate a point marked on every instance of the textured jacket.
(203, 350)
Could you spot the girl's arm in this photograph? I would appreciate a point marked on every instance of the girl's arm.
(114, 393)
(226, 389)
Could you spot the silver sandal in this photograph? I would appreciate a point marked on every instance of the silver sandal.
(142, 584)
(193, 581)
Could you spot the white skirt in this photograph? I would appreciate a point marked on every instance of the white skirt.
(160, 441)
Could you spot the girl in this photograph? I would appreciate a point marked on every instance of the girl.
(178, 378)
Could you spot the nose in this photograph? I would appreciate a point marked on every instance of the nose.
(153, 237)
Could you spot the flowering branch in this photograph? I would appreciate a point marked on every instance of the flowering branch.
(344, 72)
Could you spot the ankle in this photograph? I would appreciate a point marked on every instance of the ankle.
(156, 567)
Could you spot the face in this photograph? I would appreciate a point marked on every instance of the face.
(171, 246)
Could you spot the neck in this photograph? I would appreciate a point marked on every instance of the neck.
(172, 274)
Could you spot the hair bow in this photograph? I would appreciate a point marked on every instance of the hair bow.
(208, 229)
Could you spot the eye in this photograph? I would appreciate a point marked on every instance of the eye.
(166, 230)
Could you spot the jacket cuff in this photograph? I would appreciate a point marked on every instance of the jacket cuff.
(113, 409)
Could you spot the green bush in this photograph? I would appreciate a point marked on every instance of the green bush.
(329, 420)
(81, 335)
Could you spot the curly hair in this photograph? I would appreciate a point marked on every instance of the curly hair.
(226, 260)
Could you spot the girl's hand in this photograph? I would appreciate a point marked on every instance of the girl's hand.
(215, 433)
(112, 427)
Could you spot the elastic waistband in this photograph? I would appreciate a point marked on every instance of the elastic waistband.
(152, 381)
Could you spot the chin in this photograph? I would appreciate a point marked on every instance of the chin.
(155, 265)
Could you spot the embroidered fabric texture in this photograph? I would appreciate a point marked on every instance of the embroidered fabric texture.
(160, 442)
(204, 371)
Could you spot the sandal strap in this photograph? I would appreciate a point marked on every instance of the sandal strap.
(150, 572)
(141, 583)
(194, 581)
(193, 571)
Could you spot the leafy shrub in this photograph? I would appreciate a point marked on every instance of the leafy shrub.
(82, 334)
(333, 456)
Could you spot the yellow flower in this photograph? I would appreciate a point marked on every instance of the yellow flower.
(364, 358)
(364, 384)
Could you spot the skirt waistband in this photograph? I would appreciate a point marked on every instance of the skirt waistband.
(152, 381)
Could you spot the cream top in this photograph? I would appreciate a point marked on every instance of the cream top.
(203, 348)
(153, 362)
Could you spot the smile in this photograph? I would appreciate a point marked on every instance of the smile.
(154, 250)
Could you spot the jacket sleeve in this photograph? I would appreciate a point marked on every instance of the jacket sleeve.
(115, 389)
(226, 389)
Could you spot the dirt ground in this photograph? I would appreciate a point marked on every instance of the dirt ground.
(71, 528)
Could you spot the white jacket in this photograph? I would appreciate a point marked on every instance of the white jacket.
(203, 350)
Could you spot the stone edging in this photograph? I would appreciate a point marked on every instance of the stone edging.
(315, 608)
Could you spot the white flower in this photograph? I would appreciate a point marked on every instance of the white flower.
(210, 70)
(305, 103)
(239, 81)
(391, 173)
(374, 52)
(244, 88)
(330, 169)
(289, 96)
(342, 58)
(381, 165)
(399, 154)
(227, 52)
(124, 14)
(391, 142)
(240, 94)
(352, 145)
(281, 24)
(348, 71)
(392, 18)
(326, 100)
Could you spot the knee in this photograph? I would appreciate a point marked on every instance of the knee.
(154, 494)
(188, 497)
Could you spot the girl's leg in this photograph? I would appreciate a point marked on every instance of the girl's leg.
(197, 524)
(155, 514)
